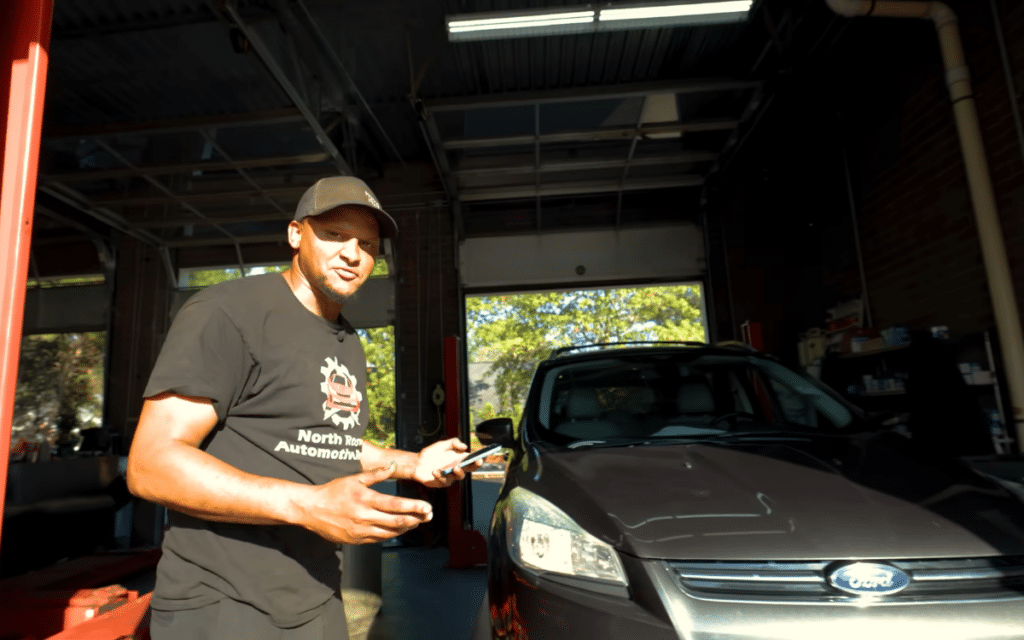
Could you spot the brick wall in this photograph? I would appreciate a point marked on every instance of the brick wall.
(880, 95)
(428, 297)
(920, 242)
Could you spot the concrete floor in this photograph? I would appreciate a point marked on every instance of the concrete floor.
(424, 599)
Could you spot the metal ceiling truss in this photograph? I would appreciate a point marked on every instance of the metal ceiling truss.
(428, 126)
(182, 125)
(465, 167)
(187, 167)
(585, 94)
(309, 112)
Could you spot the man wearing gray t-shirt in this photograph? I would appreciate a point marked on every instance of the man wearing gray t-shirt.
(251, 435)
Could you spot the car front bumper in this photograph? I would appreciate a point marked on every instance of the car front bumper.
(526, 605)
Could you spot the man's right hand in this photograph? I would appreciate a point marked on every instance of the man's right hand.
(167, 467)
(348, 511)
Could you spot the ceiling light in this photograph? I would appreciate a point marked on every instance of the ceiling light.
(491, 26)
(501, 25)
(737, 8)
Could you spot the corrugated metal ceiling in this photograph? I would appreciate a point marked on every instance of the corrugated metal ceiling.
(163, 115)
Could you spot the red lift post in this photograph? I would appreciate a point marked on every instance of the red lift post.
(24, 47)
(466, 547)
(24, 75)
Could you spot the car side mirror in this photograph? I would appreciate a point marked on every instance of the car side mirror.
(496, 431)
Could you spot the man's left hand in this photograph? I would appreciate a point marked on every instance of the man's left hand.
(442, 455)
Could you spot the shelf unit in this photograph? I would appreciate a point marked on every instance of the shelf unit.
(867, 378)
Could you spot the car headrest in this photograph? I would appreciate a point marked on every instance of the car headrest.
(583, 404)
(640, 400)
(694, 396)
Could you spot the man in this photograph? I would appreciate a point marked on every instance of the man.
(251, 435)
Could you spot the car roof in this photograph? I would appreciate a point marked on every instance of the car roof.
(598, 350)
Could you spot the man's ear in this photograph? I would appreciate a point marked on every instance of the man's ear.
(294, 234)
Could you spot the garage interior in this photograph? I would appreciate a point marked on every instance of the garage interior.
(790, 162)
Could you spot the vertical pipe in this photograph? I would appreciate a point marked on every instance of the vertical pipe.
(1011, 86)
(865, 299)
(979, 182)
(24, 71)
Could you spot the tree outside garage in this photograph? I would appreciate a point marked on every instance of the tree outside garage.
(512, 333)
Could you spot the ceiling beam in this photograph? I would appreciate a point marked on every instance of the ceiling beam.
(213, 242)
(135, 23)
(180, 125)
(72, 198)
(263, 50)
(185, 167)
(580, 94)
(166, 223)
(587, 165)
(577, 188)
(591, 135)
(294, 192)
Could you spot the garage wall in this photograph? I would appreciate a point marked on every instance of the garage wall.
(781, 209)
(921, 248)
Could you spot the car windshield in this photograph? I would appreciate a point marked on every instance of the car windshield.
(651, 396)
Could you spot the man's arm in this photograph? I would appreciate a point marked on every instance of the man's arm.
(166, 466)
(424, 467)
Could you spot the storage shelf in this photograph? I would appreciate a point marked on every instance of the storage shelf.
(861, 354)
(880, 394)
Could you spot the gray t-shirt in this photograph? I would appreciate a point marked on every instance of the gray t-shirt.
(289, 389)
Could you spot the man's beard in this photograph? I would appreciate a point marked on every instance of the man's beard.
(321, 284)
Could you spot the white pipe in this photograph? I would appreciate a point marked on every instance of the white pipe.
(993, 249)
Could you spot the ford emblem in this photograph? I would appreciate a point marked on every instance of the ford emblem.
(869, 579)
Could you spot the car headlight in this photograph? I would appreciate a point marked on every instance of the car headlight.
(542, 537)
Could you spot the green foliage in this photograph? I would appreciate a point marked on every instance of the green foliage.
(60, 379)
(202, 278)
(380, 384)
(65, 281)
(515, 332)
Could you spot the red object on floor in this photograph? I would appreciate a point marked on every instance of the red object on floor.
(466, 547)
(65, 597)
(130, 622)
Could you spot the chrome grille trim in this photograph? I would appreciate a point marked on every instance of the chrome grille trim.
(974, 579)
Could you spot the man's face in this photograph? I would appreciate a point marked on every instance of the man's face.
(336, 250)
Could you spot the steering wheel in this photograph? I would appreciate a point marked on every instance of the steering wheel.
(732, 415)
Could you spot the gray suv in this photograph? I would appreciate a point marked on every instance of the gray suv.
(684, 491)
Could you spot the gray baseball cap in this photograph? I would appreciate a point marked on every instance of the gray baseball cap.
(328, 194)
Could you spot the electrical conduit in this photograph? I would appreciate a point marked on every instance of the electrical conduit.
(993, 249)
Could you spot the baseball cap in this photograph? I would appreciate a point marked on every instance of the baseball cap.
(327, 194)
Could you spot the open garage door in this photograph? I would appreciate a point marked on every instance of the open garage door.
(583, 258)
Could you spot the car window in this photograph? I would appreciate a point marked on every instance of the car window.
(677, 394)
(802, 401)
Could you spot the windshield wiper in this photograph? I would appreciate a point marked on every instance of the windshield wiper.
(579, 444)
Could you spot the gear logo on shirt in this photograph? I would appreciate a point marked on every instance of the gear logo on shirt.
(343, 399)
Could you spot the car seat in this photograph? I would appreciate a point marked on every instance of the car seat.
(583, 410)
(694, 398)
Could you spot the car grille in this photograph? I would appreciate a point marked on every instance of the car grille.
(974, 579)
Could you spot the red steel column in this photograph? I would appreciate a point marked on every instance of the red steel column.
(466, 547)
(24, 71)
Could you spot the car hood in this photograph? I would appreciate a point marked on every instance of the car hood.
(783, 500)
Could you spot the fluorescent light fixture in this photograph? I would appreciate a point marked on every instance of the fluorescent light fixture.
(492, 26)
(502, 25)
(677, 10)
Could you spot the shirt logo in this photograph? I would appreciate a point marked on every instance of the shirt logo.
(343, 399)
